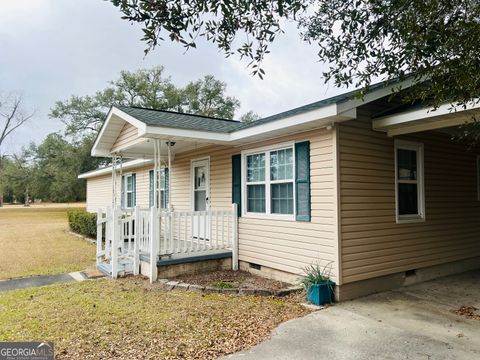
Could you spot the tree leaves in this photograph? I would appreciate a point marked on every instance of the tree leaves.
(149, 88)
(361, 40)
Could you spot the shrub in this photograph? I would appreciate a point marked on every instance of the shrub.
(83, 222)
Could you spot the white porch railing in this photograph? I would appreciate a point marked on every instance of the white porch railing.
(129, 234)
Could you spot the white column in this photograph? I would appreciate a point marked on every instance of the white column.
(154, 236)
(157, 144)
(235, 237)
(115, 242)
(99, 235)
(108, 233)
(169, 174)
(136, 243)
(114, 181)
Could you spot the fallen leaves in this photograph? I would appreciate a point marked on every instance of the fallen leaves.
(132, 319)
(469, 312)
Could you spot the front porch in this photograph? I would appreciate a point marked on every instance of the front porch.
(141, 240)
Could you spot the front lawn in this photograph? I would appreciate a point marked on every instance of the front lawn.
(131, 319)
(33, 242)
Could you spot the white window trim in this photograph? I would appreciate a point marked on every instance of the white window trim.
(267, 183)
(419, 148)
(125, 200)
(160, 188)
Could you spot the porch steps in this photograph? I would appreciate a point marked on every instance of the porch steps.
(124, 267)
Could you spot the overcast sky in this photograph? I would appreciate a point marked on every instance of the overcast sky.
(52, 49)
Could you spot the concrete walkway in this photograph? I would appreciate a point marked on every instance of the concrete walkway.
(415, 322)
(35, 281)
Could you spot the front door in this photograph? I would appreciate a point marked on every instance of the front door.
(201, 193)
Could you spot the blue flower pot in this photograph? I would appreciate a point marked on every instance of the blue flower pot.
(322, 293)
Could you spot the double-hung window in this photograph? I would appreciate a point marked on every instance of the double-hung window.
(409, 192)
(162, 188)
(128, 185)
(269, 182)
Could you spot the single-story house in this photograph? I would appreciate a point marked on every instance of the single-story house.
(375, 188)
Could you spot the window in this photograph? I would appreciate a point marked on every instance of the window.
(269, 181)
(128, 191)
(163, 188)
(409, 192)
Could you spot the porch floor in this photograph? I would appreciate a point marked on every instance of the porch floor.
(191, 257)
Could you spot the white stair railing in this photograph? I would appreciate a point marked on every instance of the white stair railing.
(153, 232)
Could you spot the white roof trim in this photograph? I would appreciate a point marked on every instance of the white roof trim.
(326, 112)
(375, 95)
(321, 117)
(423, 119)
(124, 116)
(108, 170)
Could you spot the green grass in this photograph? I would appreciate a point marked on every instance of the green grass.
(33, 242)
(129, 318)
(224, 285)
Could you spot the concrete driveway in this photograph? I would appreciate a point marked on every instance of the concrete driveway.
(414, 322)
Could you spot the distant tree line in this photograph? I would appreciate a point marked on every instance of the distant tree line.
(49, 171)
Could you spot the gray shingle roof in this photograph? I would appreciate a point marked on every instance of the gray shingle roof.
(204, 123)
(180, 120)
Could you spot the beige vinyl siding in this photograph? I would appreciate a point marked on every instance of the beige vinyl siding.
(99, 192)
(372, 243)
(128, 135)
(284, 245)
(99, 189)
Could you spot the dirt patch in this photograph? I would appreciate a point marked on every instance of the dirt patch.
(229, 279)
(469, 312)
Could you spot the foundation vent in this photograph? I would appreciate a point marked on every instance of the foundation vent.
(410, 273)
(255, 266)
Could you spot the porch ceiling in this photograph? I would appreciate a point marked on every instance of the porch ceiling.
(144, 148)
(425, 119)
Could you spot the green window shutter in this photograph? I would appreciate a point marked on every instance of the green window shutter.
(302, 181)
(167, 186)
(237, 182)
(134, 191)
(151, 189)
(122, 192)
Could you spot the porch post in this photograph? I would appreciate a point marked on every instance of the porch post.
(108, 233)
(154, 237)
(156, 171)
(136, 244)
(115, 242)
(99, 235)
(114, 181)
(235, 237)
(121, 175)
(169, 174)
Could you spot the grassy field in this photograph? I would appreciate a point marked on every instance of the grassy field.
(131, 319)
(33, 242)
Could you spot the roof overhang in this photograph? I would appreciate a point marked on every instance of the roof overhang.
(128, 165)
(188, 138)
(425, 119)
(141, 146)
(110, 130)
